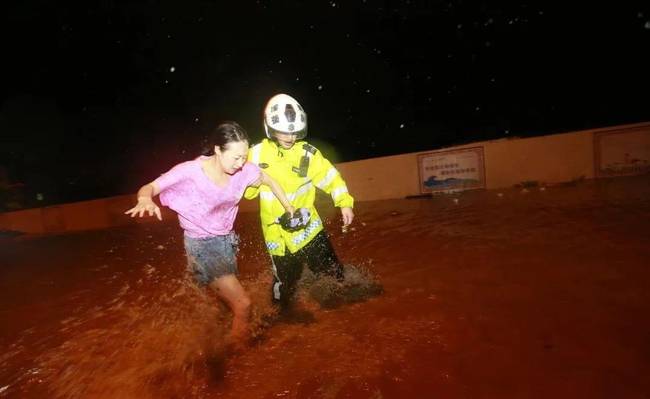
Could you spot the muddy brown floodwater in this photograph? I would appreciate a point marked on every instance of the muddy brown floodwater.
(492, 294)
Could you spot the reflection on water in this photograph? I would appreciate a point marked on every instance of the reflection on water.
(508, 293)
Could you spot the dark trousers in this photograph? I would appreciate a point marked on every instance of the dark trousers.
(319, 257)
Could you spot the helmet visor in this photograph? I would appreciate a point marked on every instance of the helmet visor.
(300, 134)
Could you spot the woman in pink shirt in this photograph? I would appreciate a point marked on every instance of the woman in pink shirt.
(205, 193)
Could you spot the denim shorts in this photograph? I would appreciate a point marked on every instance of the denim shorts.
(212, 257)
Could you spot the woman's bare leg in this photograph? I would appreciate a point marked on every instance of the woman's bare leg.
(231, 291)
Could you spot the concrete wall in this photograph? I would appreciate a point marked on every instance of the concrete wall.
(549, 159)
(546, 159)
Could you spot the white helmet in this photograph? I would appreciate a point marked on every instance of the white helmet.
(285, 115)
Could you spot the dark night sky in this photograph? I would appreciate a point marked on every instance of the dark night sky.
(99, 97)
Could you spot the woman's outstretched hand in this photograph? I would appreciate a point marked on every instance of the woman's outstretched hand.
(145, 205)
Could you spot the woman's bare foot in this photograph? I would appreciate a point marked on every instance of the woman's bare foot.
(238, 340)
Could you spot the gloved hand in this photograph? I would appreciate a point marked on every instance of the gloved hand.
(299, 221)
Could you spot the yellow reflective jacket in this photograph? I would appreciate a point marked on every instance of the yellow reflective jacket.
(299, 181)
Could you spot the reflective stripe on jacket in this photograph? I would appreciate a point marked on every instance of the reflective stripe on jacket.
(284, 167)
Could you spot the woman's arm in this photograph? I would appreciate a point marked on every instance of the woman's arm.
(145, 202)
(278, 191)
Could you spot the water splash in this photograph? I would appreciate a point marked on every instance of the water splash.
(359, 284)
(170, 342)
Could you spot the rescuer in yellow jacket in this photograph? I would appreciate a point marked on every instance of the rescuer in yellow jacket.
(299, 168)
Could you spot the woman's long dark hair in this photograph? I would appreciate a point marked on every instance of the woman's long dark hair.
(226, 132)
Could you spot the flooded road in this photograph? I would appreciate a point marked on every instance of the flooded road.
(491, 294)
